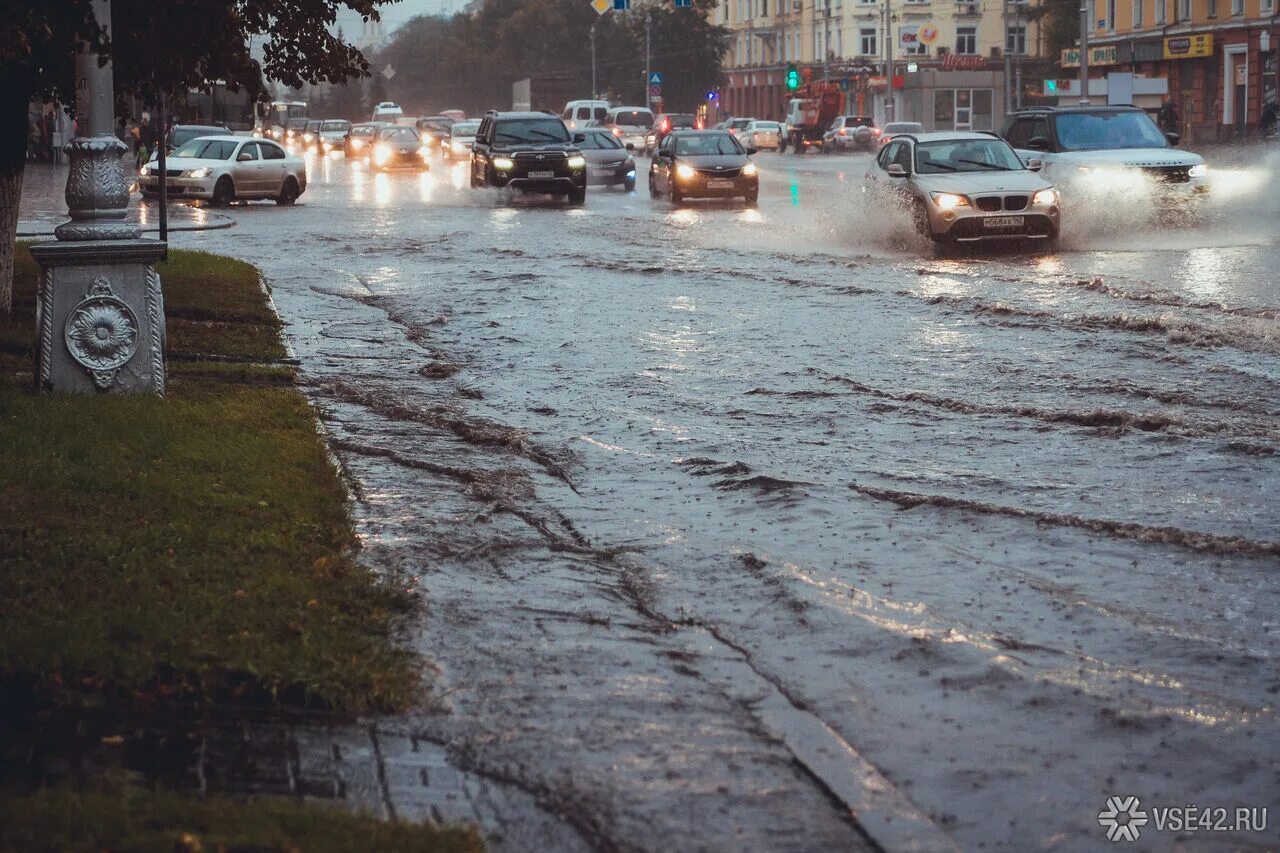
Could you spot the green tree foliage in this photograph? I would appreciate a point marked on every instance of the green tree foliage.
(156, 46)
(470, 61)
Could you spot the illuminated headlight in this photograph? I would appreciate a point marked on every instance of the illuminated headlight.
(577, 161)
(1049, 196)
(503, 164)
(381, 154)
(428, 141)
(1198, 171)
(949, 201)
(749, 170)
(307, 137)
(198, 173)
(631, 174)
(357, 143)
(685, 172)
(459, 148)
(144, 171)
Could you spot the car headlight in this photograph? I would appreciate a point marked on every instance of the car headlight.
(459, 148)
(357, 143)
(381, 154)
(685, 172)
(949, 201)
(144, 171)
(1198, 171)
(308, 137)
(198, 173)
(577, 161)
(750, 170)
(1049, 196)
(503, 164)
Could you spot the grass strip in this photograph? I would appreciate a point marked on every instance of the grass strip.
(129, 819)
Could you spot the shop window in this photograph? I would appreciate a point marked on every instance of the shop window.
(982, 118)
(966, 40)
(944, 109)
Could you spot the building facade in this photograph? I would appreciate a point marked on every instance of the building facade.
(1217, 58)
(948, 57)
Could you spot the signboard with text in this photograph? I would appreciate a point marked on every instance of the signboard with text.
(1188, 47)
(1105, 55)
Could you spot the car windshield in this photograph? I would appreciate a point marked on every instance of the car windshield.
(465, 128)
(435, 124)
(1093, 131)
(634, 118)
(297, 124)
(966, 155)
(680, 120)
(767, 125)
(859, 121)
(531, 130)
(337, 125)
(600, 142)
(740, 123)
(207, 149)
(183, 135)
(363, 130)
(401, 135)
(708, 144)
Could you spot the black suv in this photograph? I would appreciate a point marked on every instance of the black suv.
(533, 152)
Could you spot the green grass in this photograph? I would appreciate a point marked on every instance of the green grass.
(192, 548)
(128, 819)
(183, 556)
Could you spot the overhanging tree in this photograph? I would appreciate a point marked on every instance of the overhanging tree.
(156, 48)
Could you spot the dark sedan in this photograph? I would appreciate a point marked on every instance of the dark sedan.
(397, 147)
(609, 163)
(434, 131)
(704, 164)
(360, 138)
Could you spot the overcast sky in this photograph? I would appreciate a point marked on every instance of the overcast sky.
(395, 14)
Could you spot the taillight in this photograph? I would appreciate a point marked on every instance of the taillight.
(844, 131)
(666, 124)
(617, 131)
(875, 131)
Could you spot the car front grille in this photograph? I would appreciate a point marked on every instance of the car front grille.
(173, 173)
(535, 160)
(1168, 174)
(991, 203)
(719, 173)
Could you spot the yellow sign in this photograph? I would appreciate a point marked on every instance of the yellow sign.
(1188, 47)
(601, 6)
(1105, 55)
(928, 33)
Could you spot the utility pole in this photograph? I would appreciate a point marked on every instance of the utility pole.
(648, 93)
(888, 65)
(1004, 17)
(1084, 51)
(593, 61)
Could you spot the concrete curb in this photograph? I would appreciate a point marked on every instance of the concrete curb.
(216, 223)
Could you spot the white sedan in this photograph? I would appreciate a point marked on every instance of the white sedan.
(220, 169)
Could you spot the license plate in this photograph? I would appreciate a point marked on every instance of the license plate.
(602, 170)
(543, 174)
(719, 185)
(1004, 221)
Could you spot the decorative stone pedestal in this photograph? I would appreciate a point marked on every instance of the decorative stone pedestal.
(100, 317)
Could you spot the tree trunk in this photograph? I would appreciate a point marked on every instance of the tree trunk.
(13, 160)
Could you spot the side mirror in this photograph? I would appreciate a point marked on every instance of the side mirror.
(1174, 138)
(751, 151)
(895, 170)
(579, 138)
(1038, 143)
(631, 146)
(1034, 165)
(244, 156)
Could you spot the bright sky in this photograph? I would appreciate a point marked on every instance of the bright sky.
(395, 14)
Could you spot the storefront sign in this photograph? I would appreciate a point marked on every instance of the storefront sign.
(1105, 55)
(928, 33)
(875, 84)
(1188, 47)
(909, 37)
(952, 62)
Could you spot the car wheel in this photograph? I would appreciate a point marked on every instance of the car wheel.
(753, 200)
(629, 185)
(828, 149)
(223, 191)
(288, 193)
(653, 187)
(920, 219)
(676, 197)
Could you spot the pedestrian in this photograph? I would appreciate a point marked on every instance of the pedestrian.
(1168, 117)
(61, 131)
(1269, 115)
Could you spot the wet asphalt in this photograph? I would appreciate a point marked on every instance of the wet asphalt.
(773, 530)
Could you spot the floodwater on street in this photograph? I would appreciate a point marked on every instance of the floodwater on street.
(731, 521)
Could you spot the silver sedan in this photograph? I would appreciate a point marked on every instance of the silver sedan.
(221, 169)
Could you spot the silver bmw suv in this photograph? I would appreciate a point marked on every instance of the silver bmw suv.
(966, 187)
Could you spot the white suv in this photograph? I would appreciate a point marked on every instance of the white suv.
(1106, 149)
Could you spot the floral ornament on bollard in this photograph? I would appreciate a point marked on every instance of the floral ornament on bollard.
(102, 333)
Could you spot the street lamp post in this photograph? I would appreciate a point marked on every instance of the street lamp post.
(100, 309)
(888, 65)
(1084, 51)
(648, 92)
(593, 60)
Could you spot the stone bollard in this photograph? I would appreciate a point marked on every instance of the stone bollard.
(100, 307)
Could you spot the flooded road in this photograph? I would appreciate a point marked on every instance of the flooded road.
(747, 530)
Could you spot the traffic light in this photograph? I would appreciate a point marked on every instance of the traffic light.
(793, 78)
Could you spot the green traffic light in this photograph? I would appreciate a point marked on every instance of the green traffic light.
(793, 77)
